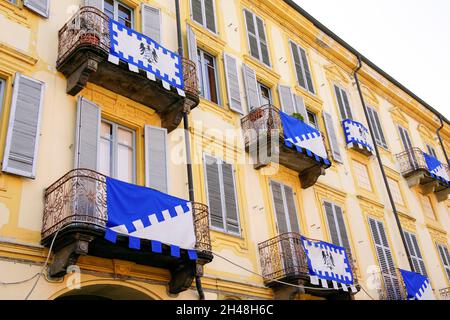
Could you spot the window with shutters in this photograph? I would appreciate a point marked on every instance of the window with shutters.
(209, 88)
(256, 36)
(312, 119)
(405, 138)
(343, 103)
(332, 138)
(376, 125)
(283, 200)
(336, 225)
(445, 258)
(120, 12)
(151, 22)
(395, 190)
(203, 12)
(362, 175)
(427, 206)
(233, 87)
(265, 94)
(414, 251)
(431, 151)
(117, 152)
(222, 195)
(385, 259)
(41, 7)
(302, 68)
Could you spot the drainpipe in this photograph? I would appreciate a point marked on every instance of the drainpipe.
(440, 139)
(198, 280)
(380, 162)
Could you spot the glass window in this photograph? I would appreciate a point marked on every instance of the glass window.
(117, 152)
(203, 13)
(119, 12)
(208, 76)
(362, 175)
(312, 118)
(265, 94)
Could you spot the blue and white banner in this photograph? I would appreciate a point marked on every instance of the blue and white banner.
(417, 286)
(437, 169)
(305, 138)
(357, 134)
(143, 213)
(327, 262)
(141, 52)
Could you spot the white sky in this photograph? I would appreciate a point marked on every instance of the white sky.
(408, 39)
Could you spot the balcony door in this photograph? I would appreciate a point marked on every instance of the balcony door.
(408, 148)
(286, 223)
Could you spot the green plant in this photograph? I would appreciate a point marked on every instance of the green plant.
(298, 116)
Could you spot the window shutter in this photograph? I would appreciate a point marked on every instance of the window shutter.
(278, 204)
(445, 258)
(376, 125)
(213, 186)
(407, 145)
(251, 87)
(300, 107)
(94, 3)
(334, 234)
(263, 41)
(348, 109)
(22, 139)
(298, 65)
(332, 138)
(431, 151)
(229, 195)
(156, 171)
(342, 230)
(41, 7)
(385, 259)
(197, 11)
(287, 101)
(151, 22)
(87, 135)
(414, 252)
(192, 46)
(292, 211)
(234, 92)
(338, 231)
(251, 34)
(210, 17)
(307, 71)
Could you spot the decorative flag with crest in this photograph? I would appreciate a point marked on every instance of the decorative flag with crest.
(143, 53)
(417, 286)
(327, 262)
(357, 134)
(304, 138)
(437, 169)
(143, 213)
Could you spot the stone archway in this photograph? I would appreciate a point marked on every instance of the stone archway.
(104, 292)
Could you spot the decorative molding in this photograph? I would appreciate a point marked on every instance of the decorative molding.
(407, 221)
(337, 75)
(370, 207)
(399, 116)
(370, 96)
(263, 72)
(437, 234)
(207, 40)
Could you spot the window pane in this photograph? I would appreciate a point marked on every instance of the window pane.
(105, 157)
(211, 77)
(109, 8)
(312, 119)
(264, 93)
(125, 16)
(125, 163)
(106, 131)
(125, 137)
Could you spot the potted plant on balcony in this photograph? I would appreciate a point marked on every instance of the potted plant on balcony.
(298, 116)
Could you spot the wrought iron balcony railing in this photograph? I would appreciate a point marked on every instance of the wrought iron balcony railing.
(392, 286)
(445, 293)
(78, 200)
(283, 258)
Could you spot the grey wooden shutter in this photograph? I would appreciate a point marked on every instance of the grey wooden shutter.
(156, 161)
(22, 139)
(87, 136)
(287, 100)
(251, 34)
(292, 211)
(300, 107)
(406, 140)
(298, 65)
(213, 188)
(343, 102)
(431, 151)
(233, 89)
(94, 3)
(332, 138)
(41, 7)
(251, 87)
(197, 11)
(307, 70)
(376, 125)
(445, 258)
(278, 203)
(262, 41)
(192, 46)
(151, 22)
(334, 234)
(210, 15)
(385, 260)
(414, 252)
(336, 224)
(229, 195)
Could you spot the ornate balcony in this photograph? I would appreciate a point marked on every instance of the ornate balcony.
(416, 171)
(84, 47)
(264, 140)
(445, 293)
(357, 137)
(392, 286)
(75, 216)
(283, 258)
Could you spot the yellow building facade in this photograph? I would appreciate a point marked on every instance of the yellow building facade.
(249, 57)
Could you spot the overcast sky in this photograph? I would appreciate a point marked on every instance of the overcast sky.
(409, 39)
